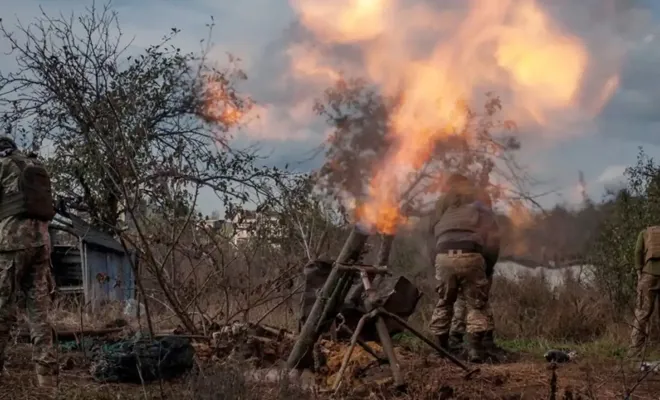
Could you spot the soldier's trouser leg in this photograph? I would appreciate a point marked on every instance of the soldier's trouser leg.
(479, 321)
(460, 315)
(457, 330)
(647, 293)
(447, 293)
(458, 323)
(488, 310)
(7, 301)
(489, 339)
(37, 293)
(34, 278)
(476, 288)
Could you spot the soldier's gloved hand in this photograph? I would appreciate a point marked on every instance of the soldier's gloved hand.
(639, 275)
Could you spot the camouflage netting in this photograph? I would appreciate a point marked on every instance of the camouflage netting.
(142, 360)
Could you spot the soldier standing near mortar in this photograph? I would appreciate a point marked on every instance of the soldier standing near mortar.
(647, 264)
(466, 247)
(26, 208)
(458, 323)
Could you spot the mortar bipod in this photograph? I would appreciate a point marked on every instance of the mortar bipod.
(381, 328)
(383, 334)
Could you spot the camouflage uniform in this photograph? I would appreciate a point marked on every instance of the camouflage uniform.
(458, 322)
(458, 325)
(461, 220)
(648, 288)
(465, 272)
(25, 270)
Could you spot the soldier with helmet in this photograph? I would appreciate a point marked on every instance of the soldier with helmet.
(458, 323)
(466, 249)
(647, 265)
(26, 208)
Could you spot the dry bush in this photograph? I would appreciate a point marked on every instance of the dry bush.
(530, 308)
(73, 315)
(69, 314)
(248, 270)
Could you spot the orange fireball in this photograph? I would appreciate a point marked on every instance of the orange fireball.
(511, 46)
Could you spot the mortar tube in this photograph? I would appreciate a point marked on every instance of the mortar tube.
(308, 335)
(384, 250)
(383, 257)
(371, 280)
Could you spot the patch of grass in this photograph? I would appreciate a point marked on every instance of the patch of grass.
(410, 342)
(597, 349)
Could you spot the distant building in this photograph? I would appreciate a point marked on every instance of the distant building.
(248, 223)
(220, 227)
(244, 226)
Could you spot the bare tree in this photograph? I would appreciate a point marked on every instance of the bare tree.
(360, 116)
(123, 127)
(135, 135)
(311, 224)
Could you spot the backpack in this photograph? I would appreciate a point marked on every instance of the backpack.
(651, 243)
(34, 199)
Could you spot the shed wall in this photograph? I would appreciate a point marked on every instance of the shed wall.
(116, 266)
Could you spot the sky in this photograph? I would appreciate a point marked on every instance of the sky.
(262, 32)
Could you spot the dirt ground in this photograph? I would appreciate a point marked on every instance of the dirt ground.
(429, 377)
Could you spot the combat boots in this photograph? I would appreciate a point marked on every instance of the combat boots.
(494, 351)
(476, 353)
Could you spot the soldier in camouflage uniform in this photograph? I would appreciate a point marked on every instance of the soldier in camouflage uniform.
(26, 207)
(467, 248)
(458, 322)
(647, 264)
